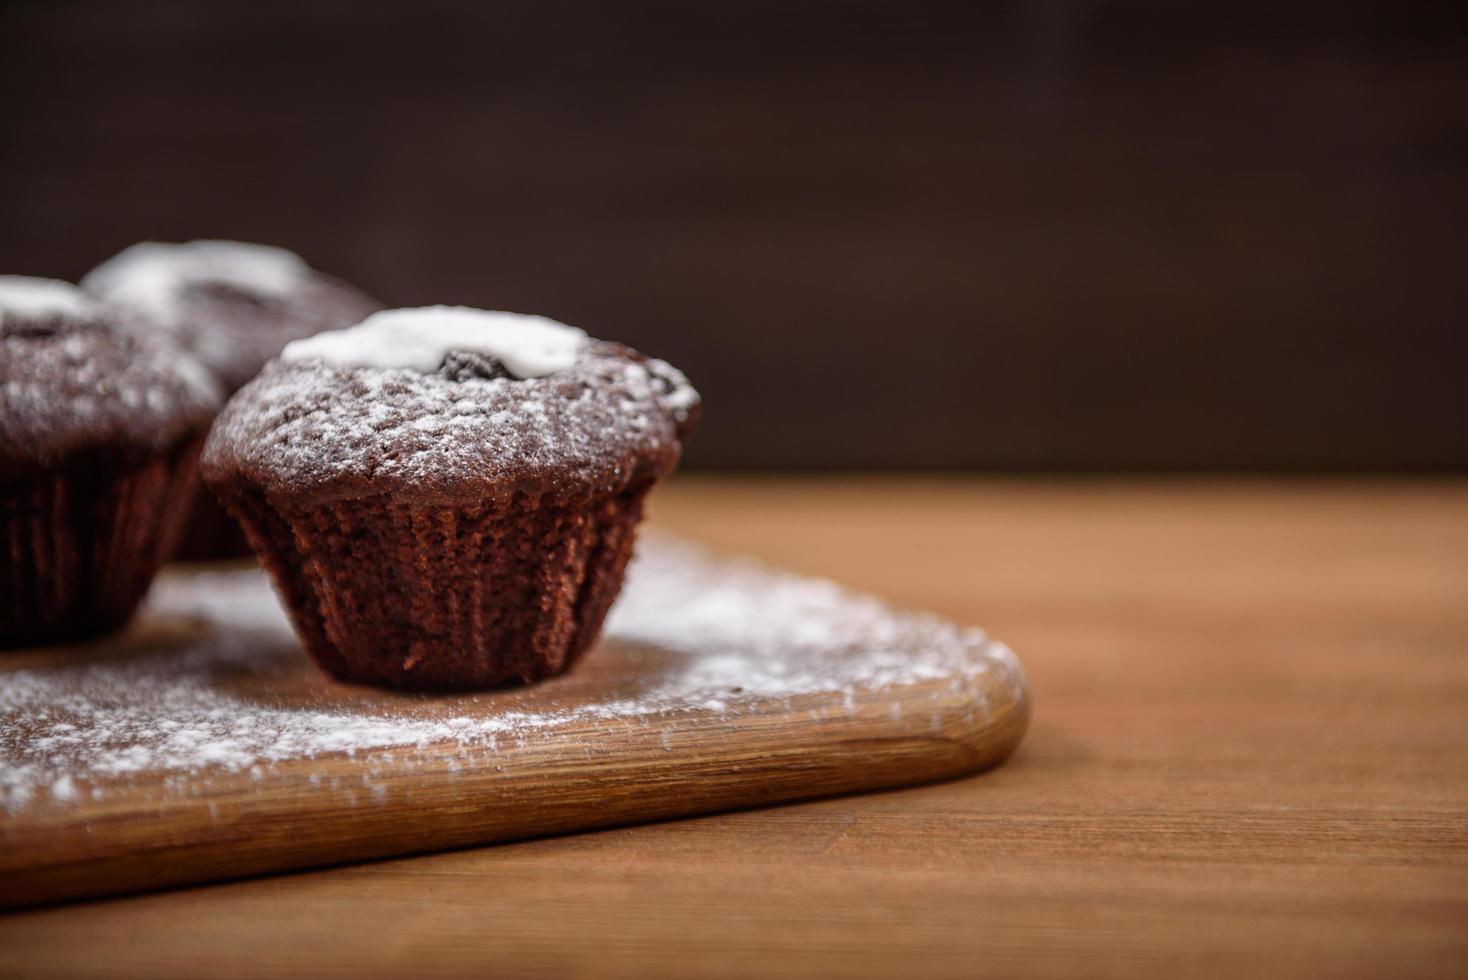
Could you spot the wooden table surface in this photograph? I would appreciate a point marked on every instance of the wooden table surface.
(1249, 757)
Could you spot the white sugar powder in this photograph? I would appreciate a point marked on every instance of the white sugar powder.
(315, 425)
(736, 633)
(151, 277)
(29, 298)
(419, 339)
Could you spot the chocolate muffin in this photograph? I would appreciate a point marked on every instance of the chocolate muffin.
(233, 306)
(447, 497)
(100, 432)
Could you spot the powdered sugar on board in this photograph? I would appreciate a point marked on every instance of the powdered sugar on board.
(215, 682)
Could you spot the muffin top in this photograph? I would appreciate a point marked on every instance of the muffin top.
(71, 379)
(448, 404)
(232, 305)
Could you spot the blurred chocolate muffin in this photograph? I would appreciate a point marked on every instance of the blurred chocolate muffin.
(233, 306)
(100, 431)
(447, 498)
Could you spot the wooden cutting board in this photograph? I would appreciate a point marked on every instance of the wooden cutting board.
(201, 744)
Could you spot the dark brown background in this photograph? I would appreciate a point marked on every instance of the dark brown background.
(1047, 234)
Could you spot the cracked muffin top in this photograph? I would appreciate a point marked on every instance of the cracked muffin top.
(448, 404)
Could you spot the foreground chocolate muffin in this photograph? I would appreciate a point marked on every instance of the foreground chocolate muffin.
(99, 435)
(233, 305)
(446, 497)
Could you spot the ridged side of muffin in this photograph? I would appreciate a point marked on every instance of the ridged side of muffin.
(83, 541)
(445, 597)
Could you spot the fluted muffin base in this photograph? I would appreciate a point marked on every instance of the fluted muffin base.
(80, 544)
(444, 597)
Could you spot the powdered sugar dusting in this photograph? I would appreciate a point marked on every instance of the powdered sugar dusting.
(74, 383)
(730, 637)
(151, 277)
(232, 305)
(309, 426)
(420, 339)
(32, 298)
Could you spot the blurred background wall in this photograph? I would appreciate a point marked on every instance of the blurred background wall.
(1056, 235)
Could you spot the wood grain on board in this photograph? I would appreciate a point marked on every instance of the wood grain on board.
(1249, 756)
(202, 744)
